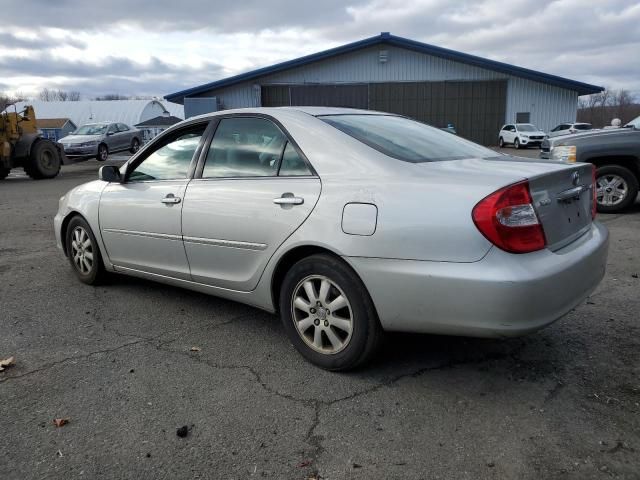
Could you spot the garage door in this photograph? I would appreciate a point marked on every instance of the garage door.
(476, 109)
(351, 96)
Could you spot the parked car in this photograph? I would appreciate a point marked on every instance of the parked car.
(568, 128)
(616, 155)
(346, 222)
(100, 139)
(520, 135)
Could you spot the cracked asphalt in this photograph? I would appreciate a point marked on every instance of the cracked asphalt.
(117, 361)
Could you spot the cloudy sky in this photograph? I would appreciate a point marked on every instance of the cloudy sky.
(155, 47)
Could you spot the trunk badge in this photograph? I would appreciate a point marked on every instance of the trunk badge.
(575, 178)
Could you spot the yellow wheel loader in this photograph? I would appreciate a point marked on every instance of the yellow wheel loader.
(22, 146)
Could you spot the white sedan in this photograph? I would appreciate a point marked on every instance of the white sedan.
(345, 222)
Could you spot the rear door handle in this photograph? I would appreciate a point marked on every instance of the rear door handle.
(171, 199)
(288, 200)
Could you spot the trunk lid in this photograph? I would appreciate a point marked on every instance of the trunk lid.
(563, 200)
(561, 192)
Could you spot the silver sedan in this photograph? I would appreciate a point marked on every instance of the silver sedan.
(347, 223)
(101, 139)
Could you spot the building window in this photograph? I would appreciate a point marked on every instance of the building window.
(523, 117)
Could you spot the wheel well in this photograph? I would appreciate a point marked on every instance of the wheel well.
(627, 161)
(287, 261)
(63, 230)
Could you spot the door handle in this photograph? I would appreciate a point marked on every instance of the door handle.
(171, 199)
(288, 200)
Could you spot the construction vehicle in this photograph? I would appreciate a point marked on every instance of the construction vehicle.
(22, 146)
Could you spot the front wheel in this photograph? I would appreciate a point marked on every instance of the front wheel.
(616, 188)
(516, 144)
(135, 145)
(83, 252)
(44, 160)
(103, 153)
(4, 173)
(328, 314)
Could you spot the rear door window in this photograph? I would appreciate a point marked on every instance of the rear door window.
(244, 147)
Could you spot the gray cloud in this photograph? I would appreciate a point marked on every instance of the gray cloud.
(9, 40)
(592, 42)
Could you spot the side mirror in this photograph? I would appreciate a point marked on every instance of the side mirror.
(109, 173)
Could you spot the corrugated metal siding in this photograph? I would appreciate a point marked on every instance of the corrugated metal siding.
(548, 105)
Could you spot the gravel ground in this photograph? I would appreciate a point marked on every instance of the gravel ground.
(117, 361)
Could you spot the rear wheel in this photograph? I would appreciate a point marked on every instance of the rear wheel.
(501, 142)
(135, 145)
(328, 314)
(616, 188)
(516, 144)
(4, 172)
(83, 252)
(103, 153)
(44, 161)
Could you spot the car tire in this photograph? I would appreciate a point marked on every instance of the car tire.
(609, 179)
(501, 142)
(44, 160)
(4, 173)
(103, 153)
(83, 252)
(335, 340)
(135, 145)
(516, 144)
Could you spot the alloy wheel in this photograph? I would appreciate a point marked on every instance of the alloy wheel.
(611, 190)
(322, 314)
(82, 250)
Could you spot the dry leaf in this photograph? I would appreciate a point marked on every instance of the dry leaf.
(59, 422)
(195, 349)
(6, 363)
(304, 463)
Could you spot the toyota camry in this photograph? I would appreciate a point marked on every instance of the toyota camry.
(347, 223)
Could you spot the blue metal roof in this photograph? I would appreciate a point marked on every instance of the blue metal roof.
(385, 38)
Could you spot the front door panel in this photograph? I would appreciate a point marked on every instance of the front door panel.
(231, 227)
(140, 231)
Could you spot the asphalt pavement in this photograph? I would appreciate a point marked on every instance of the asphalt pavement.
(131, 362)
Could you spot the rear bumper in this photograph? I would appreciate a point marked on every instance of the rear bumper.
(501, 295)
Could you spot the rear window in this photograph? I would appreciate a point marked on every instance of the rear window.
(405, 139)
(582, 126)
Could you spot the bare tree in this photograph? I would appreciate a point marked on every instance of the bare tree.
(599, 109)
(112, 96)
(53, 95)
(7, 99)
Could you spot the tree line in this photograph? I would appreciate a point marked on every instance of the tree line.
(600, 108)
(59, 95)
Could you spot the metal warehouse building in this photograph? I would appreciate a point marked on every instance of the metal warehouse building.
(395, 74)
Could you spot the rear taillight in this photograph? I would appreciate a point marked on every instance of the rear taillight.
(594, 193)
(509, 221)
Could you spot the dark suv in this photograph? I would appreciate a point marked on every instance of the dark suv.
(615, 153)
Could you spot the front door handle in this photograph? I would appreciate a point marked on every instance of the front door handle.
(171, 199)
(288, 199)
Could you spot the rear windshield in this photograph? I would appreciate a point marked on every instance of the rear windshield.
(405, 139)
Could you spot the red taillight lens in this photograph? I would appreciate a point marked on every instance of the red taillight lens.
(509, 221)
(594, 193)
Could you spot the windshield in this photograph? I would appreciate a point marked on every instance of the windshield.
(92, 129)
(405, 139)
(635, 123)
(526, 127)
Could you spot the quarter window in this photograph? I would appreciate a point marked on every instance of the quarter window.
(172, 159)
(292, 163)
(244, 147)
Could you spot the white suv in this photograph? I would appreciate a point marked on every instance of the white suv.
(520, 135)
(568, 128)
